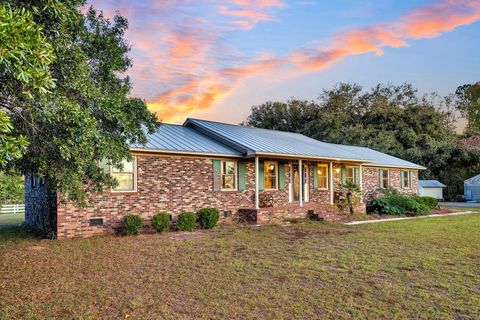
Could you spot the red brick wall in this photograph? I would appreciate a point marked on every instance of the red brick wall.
(371, 177)
(180, 183)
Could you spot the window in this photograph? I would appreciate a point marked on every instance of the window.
(271, 174)
(229, 176)
(384, 178)
(323, 176)
(406, 179)
(351, 174)
(126, 177)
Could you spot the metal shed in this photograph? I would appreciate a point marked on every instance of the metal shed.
(431, 188)
(472, 188)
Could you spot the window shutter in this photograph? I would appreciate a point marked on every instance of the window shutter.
(380, 178)
(402, 174)
(315, 177)
(241, 175)
(217, 175)
(344, 175)
(357, 176)
(261, 175)
(411, 178)
(281, 175)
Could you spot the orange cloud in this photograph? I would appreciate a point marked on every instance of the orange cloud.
(426, 22)
(203, 91)
(247, 13)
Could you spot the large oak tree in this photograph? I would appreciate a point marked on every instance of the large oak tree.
(63, 84)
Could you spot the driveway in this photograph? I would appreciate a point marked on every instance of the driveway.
(459, 204)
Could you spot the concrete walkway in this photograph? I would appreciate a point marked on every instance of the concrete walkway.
(408, 218)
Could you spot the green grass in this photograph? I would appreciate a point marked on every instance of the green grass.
(10, 219)
(421, 269)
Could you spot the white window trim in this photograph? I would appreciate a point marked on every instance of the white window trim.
(135, 174)
(328, 174)
(235, 174)
(276, 175)
(354, 176)
(409, 179)
(381, 178)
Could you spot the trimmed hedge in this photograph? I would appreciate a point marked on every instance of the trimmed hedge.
(430, 202)
(161, 221)
(208, 218)
(186, 221)
(397, 204)
(133, 224)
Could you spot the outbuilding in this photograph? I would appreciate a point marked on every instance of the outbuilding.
(431, 188)
(472, 188)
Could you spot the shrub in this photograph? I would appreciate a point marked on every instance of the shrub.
(186, 221)
(133, 223)
(388, 191)
(397, 204)
(208, 218)
(161, 221)
(430, 202)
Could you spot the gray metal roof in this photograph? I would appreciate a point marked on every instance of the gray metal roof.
(272, 142)
(180, 139)
(380, 158)
(431, 184)
(472, 181)
(221, 139)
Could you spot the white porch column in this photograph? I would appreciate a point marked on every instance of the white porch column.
(361, 182)
(257, 199)
(360, 176)
(300, 173)
(330, 181)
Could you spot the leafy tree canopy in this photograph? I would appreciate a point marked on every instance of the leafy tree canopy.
(11, 188)
(64, 89)
(388, 118)
(467, 99)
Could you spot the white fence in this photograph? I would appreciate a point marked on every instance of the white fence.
(12, 208)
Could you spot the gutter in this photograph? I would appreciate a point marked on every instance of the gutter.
(190, 153)
(394, 166)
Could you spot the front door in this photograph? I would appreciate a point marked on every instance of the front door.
(296, 183)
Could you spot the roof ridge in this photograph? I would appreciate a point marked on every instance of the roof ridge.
(247, 127)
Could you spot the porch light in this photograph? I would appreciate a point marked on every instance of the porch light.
(320, 171)
(272, 167)
(337, 170)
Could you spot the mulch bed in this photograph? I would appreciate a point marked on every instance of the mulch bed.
(443, 211)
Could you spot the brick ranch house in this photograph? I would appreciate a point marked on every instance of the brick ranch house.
(244, 172)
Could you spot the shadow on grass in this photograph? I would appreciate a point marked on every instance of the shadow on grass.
(16, 233)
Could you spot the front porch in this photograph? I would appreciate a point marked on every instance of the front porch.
(293, 188)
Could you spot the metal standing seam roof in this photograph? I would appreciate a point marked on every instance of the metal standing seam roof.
(473, 180)
(180, 139)
(431, 184)
(380, 158)
(265, 142)
(221, 139)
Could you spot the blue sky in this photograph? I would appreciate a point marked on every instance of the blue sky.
(215, 59)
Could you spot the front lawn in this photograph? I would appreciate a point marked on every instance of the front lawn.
(11, 219)
(425, 268)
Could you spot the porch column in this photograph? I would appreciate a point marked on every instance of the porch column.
(257, 199)
(330, 181)
(300, 173)
(361, 182)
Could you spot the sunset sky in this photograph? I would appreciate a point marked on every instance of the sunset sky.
(214, 59)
